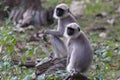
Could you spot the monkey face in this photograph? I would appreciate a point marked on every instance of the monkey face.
(72, 30)
(61, 11)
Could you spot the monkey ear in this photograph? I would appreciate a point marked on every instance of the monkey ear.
(78, 29)
(69, 11)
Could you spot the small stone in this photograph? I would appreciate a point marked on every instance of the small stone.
(30, 27)
(111, 21)
(93, 66)
(0, 49)
(77, 8)
(102, 15)
(21, 30)
(118, 10)
(103, 35)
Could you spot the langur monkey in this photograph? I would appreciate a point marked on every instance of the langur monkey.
(80, 54)
(64, 17)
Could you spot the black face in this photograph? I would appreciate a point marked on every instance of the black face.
(70, 31)
(59, 12)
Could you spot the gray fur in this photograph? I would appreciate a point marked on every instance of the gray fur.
(59, 47)
(80, 56)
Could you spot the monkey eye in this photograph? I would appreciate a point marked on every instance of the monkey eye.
(78, 29)
(59, 12)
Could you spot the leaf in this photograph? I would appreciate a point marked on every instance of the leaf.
(61, 73)
(15, 78)
(14, 41)
(107, 54)
(108, 59)
(99, 77)
(119, 52)
(51, 77)
(10, 48)
(42, 77)
(28, 77)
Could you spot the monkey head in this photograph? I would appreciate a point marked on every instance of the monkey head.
(61, 11)
(72, 30)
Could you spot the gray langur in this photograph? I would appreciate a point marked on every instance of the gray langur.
(64, 17)
(80, 54)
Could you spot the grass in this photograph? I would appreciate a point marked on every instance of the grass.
(106, 50)
(106, 70)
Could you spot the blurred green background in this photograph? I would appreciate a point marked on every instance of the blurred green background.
(100, 21)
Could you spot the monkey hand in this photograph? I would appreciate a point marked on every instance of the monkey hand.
(43, 32)
(42, 36)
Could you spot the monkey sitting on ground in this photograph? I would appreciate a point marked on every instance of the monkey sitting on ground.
(64, 16)
(80, 52)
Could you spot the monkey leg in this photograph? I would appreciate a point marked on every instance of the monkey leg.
(59, 48)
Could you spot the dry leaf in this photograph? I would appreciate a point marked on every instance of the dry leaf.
(118, 10)
(111, 21)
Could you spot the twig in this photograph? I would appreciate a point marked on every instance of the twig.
(76, 77)
(28, 64)
(68, 77)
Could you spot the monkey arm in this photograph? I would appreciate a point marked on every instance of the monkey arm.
(54, 33)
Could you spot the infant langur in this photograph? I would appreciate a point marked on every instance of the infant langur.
(80, 52)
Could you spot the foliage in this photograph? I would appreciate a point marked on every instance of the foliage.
(3, 6)
(106, 63)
